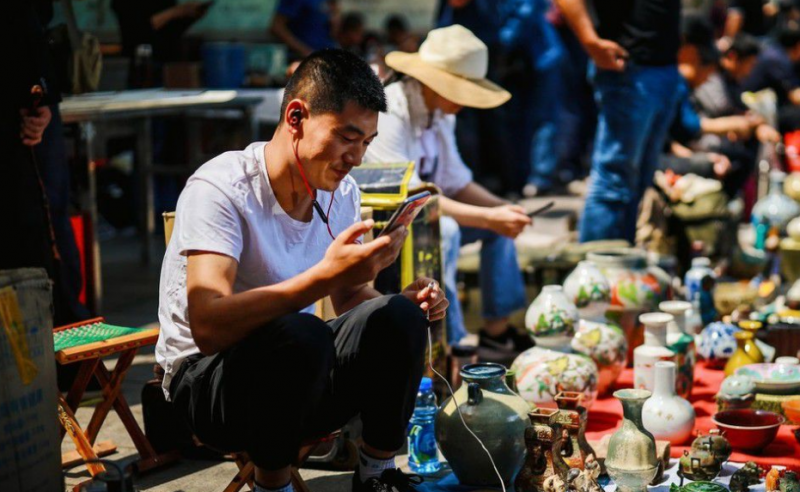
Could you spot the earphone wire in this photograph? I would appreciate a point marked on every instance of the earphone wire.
(325, 218)
(452, 394)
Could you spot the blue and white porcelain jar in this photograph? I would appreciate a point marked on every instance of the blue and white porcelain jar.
(717, 343)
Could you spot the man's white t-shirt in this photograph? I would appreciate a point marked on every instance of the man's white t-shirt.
(228, 207)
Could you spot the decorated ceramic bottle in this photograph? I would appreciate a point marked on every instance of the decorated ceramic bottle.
(682, 343)
(654, 349)
(631, 459)
(665, 414)
(550, 366)
(746, 353)
(596, 336)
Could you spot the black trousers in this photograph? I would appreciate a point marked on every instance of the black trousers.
(300, 378)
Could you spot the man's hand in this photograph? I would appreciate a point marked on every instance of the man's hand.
(430, 300)
(507, 220)
(767, 134)
(720, 163)
(33, 125)
(607, 54)
(349, 263)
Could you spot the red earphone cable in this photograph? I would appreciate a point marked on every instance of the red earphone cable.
(326, 218)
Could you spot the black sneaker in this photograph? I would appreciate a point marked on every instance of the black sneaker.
(503, 349)
(391, 480)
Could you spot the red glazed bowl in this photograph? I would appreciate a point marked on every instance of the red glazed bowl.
(748, 429)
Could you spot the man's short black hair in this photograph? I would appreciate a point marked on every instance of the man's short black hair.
(788, 37)
(328, 79)
(744, 46)
(698, 32)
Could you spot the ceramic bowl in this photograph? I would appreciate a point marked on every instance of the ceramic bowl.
(703, 487)
(791, 409)
(772, 378)
(748, 429)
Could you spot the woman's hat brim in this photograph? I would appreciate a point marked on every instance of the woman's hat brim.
(471, 93)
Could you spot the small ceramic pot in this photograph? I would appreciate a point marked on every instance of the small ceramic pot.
(654, 350)
(551, 318)
(682, 343)
(631, 459)
(542, 374)
(717, 343)
(665, 414)
(775, 209)
(736, 392)
(589, 290)
(746, 353)
(636, 288)
(498, 416)
(605, 344)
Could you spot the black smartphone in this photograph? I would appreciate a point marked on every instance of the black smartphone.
(541, 210)
(407, 212)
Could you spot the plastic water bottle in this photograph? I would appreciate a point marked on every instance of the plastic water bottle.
(701, 267)
(423, 456)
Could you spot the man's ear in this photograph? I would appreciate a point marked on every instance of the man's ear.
(295, 113)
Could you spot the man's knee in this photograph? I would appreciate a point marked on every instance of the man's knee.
(403, 323)
(305, 335)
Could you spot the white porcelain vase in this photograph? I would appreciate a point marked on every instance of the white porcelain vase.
(551, 318)
(589, 290)
(605, 343)
(682, 343)
(665, 414)
(654, 350)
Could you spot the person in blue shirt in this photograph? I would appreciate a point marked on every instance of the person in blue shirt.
(305, 25)
(775, 68)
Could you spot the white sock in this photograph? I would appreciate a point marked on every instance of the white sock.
(370, 467)
(286, 488)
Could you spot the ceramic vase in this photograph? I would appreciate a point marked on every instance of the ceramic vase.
(635, 289)
(589, 290)
(682, 343)
(631, 459)
(746, 353)
(775, 209)
(717, 343)
(605, 344)
(498, 416)
(575, 420)
(654, 350)
(758, 348)
(543, 373)
(551, 318)
(665, 414)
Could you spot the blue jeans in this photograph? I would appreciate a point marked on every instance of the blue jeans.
(545, 112)
(635, 111)
(501, 282)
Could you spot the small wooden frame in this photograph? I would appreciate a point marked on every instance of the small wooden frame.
(89, 357)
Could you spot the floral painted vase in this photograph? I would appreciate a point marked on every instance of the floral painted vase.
(680, 342)
(654, 350)
(551, 318)
(631, 459)
(605, 344)
(543, 373)
(635, 289)
(665, 414)
(589, 290)
(775, 209)
(498, 416)
(717, 343)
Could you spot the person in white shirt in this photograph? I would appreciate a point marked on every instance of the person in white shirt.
(448, 73)
(260, 235)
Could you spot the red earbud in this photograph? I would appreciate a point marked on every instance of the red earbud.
(295, 117)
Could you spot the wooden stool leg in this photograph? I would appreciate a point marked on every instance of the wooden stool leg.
(244, 476)
(111, 385)
(75, 432)
(78, 388)
(297, 481)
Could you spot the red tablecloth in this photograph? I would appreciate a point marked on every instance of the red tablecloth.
(605, 417)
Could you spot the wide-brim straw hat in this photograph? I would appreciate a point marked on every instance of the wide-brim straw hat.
(453, 63)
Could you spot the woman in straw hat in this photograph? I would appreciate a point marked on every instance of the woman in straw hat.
(448, 73)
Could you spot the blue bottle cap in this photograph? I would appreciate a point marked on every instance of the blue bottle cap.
(426, 384)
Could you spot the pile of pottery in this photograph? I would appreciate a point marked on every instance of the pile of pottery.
(586, 331)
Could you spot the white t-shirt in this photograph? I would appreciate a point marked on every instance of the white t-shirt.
(405, 135)
(228, 207)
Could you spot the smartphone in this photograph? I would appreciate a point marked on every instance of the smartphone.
(541, 210)
(407, 211)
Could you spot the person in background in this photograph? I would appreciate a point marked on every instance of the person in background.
(448, 73)
(721, 94)
(399, 36)
(350, 35)
(634, 49)
(775, 68)
(158, 23)
(305, 25)
(752, 17)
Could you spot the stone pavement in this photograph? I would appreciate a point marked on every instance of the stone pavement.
(131, 299)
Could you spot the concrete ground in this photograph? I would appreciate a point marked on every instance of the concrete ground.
(131, 299)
